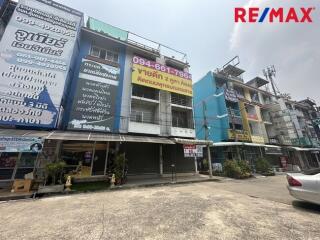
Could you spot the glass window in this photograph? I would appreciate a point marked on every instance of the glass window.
(115, 57)
(95, 51)
(103, 53)
(7, 164)
(26, 164)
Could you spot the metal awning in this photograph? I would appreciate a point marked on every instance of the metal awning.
(24, 133)
(304, 149)
(192, 141)
(143, 139)
(227, 144)
(83, 136)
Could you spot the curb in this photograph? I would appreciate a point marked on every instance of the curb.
(116, 188)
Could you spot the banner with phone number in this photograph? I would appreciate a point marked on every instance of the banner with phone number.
(155, 75)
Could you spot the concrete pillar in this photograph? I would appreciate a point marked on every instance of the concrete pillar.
(317, 157)
(161, 160)
(106, 161)
(209, 161)
(196, 165)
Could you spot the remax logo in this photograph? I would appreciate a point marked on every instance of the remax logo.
(271, 15)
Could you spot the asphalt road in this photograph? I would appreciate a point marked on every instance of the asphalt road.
(247, 209)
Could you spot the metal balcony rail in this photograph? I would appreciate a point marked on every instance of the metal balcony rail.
(143, 117)
(143, 93)
(181, 122)
(234, 112)
(181, 101)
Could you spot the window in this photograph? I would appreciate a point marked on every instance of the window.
(104, 54)
(95, 52)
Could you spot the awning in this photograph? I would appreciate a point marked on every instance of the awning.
(24, 133)
(304, 149)
(227, 144)
(83, 136)
(192, 141)
(130, 138)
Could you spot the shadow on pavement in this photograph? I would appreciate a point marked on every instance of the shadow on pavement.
(306, 206)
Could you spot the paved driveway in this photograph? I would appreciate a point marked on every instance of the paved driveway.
(195, 211)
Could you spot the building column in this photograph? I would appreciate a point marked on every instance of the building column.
(106, 161)
(196, 165)
(92, 157)
(209, 161)
(317, 157)
(161, 160)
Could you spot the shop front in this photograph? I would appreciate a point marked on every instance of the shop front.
(18, 157)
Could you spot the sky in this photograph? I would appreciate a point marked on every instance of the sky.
(205, 30)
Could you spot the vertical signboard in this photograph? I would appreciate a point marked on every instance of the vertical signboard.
(35, 54)
(93, 107)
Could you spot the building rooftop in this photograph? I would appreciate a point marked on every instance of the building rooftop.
(232, 70)
(257, 82)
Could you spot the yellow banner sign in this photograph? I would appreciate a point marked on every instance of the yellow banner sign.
(162, 79)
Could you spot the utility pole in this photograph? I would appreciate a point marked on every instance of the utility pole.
(206, 129)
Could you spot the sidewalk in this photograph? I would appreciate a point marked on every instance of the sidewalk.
(132, 183)
(149, 182)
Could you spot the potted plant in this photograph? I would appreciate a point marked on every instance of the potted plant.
(119, 170)
(55, 172)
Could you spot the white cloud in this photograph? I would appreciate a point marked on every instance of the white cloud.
(293, 49)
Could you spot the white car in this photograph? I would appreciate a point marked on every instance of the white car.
(304, 187)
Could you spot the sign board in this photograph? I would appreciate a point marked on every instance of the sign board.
(193, 150)
(35, 54)
(273, 151)
(20, 144)
(93, 105)
(152, 74)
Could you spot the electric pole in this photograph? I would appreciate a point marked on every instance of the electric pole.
(206, 136)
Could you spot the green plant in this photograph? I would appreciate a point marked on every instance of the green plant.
(263, 166)
(55, 170)
(232, 169)
(119, 166)
(245, 168)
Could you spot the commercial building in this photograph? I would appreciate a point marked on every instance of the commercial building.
(248, 122)
(90, 93)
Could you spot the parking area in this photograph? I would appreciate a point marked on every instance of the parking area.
(247, 209)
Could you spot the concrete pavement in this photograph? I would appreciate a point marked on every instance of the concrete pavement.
(209, 210)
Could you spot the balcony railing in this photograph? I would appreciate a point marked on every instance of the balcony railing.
(143, 117)
(182, 122)
(234, 112)
(181, 100)
(144, 92)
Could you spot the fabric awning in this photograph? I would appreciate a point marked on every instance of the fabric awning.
(192, 141)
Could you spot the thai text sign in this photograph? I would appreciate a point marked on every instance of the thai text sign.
(35, 54)
(93, 106)
(155, 75)
(20, 144)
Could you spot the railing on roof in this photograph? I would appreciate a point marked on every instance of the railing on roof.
(134, 39)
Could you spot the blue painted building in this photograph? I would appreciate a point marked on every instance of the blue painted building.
(209, 102)
(101, 49)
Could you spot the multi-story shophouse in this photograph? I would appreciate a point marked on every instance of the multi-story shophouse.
(246, 121)
(88, 92)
